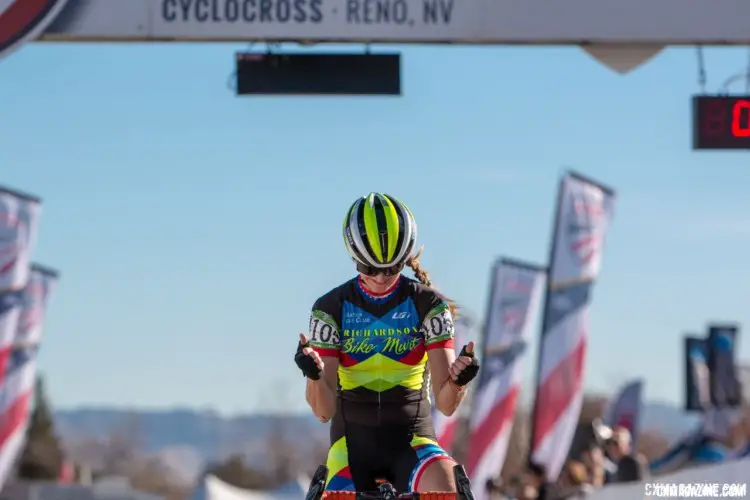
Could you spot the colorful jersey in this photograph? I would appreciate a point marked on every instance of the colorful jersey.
(381, 342)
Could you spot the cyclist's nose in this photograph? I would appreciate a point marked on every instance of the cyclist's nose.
(381, 279)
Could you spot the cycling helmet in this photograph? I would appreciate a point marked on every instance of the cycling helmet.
(379, 233)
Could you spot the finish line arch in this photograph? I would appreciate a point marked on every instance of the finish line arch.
(620, 33)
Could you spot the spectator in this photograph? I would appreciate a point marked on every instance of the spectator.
(495, 490)
(619, 449)
(535, 486)
(513, 487)
(574, 481)
(593, 458)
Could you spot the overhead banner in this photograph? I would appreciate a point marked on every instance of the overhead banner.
(697, 383)
(584, 212)
(19, 217)
(515, 294)
(15, 402)
(34, 305)
(625, 409)
(577, 22)
(445, 427)
(726, 390)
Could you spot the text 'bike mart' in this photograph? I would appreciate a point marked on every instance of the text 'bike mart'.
(358, 12)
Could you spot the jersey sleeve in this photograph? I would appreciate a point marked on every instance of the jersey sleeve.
(324, 332)
(437, 327)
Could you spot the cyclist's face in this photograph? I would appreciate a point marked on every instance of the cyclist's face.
(380, 282)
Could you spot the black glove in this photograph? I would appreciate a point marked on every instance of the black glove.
(471, 371)
(306, 363)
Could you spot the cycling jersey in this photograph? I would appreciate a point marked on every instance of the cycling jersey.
(381, 342)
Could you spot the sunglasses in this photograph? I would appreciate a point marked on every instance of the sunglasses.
(374, 271)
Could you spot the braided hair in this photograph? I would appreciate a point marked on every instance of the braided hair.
(424, 278)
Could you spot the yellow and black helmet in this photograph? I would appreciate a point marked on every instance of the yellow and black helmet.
(379, 233)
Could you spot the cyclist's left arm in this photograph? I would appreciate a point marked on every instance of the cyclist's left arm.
(439, 334)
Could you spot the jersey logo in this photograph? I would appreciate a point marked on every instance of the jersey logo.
(395, 335)
(24, 20)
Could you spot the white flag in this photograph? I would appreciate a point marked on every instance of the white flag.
(34, 305)
(515, 293)
(19, 216)
(15, 402)
(584, 212)
(625, 409)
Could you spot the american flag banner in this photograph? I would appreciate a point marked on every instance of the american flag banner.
(584, 212)
(34, 305)
(10, 316)
(445, 427)
(19, 217)
(15, 402)
(515, 294)
(625, 409)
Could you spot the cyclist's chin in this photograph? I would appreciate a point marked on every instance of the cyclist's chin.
(379, 283)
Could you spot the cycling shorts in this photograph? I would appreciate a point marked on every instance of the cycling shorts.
(366, 453)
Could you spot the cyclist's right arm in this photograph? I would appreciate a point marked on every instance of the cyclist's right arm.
(325, 341)
(321, 393)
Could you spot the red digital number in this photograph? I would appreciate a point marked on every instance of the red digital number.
(714, 118)
(740, 128)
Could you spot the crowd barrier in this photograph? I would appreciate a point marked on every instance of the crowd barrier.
(726, 473)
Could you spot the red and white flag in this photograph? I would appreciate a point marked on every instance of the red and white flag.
(34, 305)
(17, 388)
(19, 217)
(10, 315)
(584, 211)
(445, 427)
(515, 293)
(625, 409)
(19, 214)
(15, 402)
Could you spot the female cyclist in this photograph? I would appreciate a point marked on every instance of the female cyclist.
(377, 346)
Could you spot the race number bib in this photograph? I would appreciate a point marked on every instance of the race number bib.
(438, 325)
(323, 331)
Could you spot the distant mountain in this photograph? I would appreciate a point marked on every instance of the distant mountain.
(208, 431)
(187, 439)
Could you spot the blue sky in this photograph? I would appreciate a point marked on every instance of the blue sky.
(195, 229)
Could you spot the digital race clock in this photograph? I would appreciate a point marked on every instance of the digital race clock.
(721, 122)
